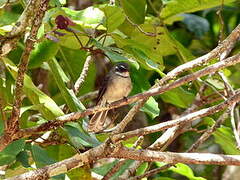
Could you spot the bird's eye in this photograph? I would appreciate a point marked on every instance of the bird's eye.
(121, 68)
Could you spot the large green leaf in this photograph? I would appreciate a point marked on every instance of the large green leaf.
(135, 10)
(178, 97)
(23, 158)
(114, 17)
(78, 138)
(61, 79)
(41, 157)
(185, 170)
(174, 7)
(48, 108)
(9, 154)
(44, 51)
(196, 24)
(182, 169)
(87, 18)
(225, 138)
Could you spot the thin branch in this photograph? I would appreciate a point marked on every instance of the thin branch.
(12, 123)
(90, 95)
(179, 121)
(108, 150)
(209, 132)
(115, 168)
(222, 49)
(170, 157)
(234, 125)
(83, 74)
(120, 127)
(152, 92)
(152, 172)
(9, 41)
(140, 29)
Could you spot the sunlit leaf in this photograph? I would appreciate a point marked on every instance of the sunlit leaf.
(178, 97)
(225, 138)
(135, 10)
(114, 17)
(50, 109)
(44, 51)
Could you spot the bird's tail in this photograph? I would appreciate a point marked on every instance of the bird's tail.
(96, 123)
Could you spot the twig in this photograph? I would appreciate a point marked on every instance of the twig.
(152, 172)
(120, 127)
(236, 135)
(121, 162)
(83, 74)
(90, 95)
(220, 16)
(140, 29)
(209, 132)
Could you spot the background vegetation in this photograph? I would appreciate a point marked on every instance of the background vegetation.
(154, 37)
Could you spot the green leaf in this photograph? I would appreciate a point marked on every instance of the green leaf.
(48, 108)
(61, 79)
(145, 60)
(61, 151)
(114, 17)
(135, 10)
(178, 97)
(102, 170)
(185, 170)
(138, 77)
(44, 51)
(225, 138)
(23, 158)
(9, 154)
(122, 169)
(6, 159)
(151, 108)
(14, 148)
(174, 7)
(182, 169)
(78, 138)
(142, 169)
(41, 157)
(73, 61)
(110, 52)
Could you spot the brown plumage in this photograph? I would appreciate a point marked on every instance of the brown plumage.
(116, 86)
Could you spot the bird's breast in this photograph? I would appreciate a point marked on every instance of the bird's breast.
(118, 88)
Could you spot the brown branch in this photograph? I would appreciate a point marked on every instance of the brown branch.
(179, 121)
(12, 123)
(26, 18)
(170, 157)
(108, 150)
(152, 92)
(117, 166)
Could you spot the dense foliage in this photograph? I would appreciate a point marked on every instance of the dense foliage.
(154, 37)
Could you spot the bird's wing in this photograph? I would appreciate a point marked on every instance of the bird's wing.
(103, 89)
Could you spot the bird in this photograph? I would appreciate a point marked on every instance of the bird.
(116, 85)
